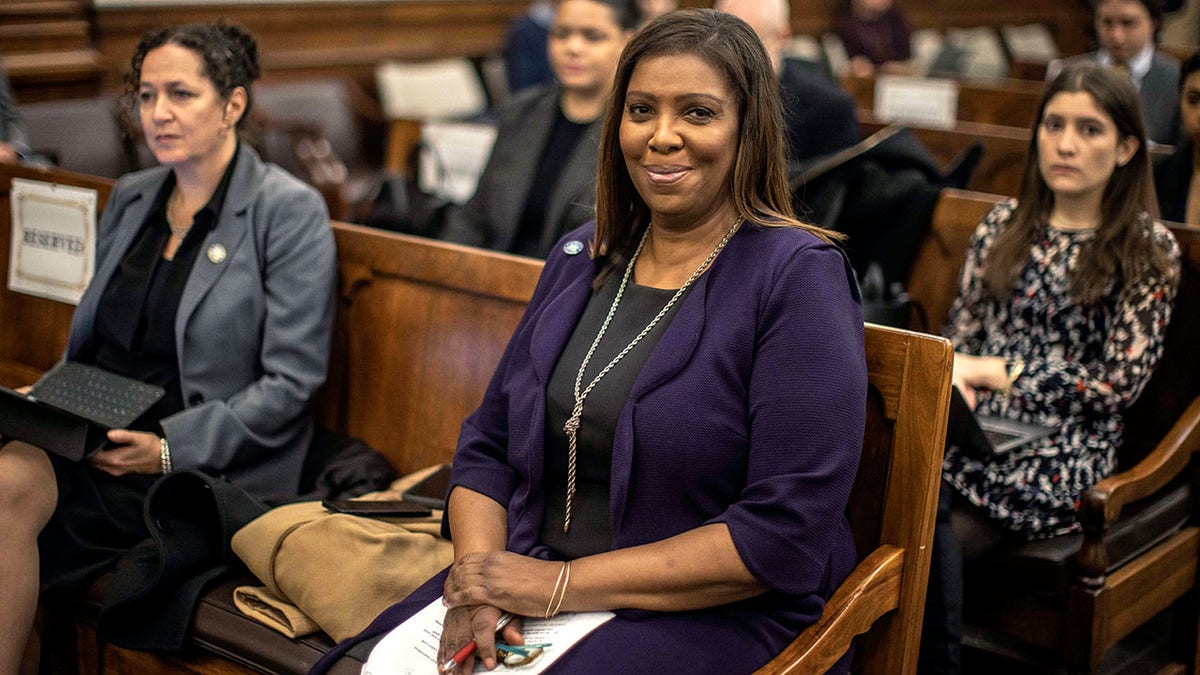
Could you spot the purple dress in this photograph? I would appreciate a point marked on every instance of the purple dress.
(749, 412)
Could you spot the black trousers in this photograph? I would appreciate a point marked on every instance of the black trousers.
(963, 534)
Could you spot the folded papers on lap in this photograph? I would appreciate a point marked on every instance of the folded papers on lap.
(412, 647)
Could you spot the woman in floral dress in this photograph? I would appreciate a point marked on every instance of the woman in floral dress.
(1060, 317)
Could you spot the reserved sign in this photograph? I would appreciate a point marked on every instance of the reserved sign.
(925, 101)
(53, 252)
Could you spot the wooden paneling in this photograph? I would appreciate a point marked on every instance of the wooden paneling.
(349, 38)
(342, 39)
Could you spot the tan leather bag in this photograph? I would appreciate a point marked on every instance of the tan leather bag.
(338, 570)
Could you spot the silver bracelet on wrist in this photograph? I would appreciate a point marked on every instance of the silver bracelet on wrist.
(164, 455)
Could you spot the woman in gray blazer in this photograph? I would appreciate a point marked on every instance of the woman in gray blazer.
(214, 279)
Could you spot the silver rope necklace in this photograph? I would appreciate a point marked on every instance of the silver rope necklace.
(572, 425)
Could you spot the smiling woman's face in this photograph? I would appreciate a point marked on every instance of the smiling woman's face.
(679, 135)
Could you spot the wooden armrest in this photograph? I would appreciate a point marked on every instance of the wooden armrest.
(871, 590)
(1101, 504)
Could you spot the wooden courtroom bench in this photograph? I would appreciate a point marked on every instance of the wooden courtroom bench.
(420, 327)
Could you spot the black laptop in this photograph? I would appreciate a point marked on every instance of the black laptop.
(985, 436)
(71, 408)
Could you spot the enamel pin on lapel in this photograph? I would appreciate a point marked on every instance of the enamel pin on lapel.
(573, 247)
(216, 254)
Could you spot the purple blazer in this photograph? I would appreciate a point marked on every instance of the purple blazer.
(748, 412)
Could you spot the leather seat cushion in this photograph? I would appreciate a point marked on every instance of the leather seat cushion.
(220, 628)
(1043, 566)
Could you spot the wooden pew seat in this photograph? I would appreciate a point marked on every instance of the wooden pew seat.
(421, 325)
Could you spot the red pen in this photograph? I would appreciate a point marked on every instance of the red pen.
(469, 648)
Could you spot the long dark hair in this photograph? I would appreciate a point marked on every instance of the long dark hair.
(758, 181)
(228, 53)
(1122, 248)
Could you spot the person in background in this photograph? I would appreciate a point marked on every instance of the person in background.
(215, 277)
(649, 10)
(1062, 308)
(1127, 31)
(14, 139)
(876, 34)
(818, 115)
(539, 181)
(1177, 176)
(662, 436)
(526, 63)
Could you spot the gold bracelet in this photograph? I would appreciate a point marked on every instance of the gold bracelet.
(1016, 366)
(554, 592)
(566, 582)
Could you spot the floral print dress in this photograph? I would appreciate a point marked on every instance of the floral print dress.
(1083, 366)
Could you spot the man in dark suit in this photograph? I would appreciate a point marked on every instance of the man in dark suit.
(1127, 31)
(819, 116)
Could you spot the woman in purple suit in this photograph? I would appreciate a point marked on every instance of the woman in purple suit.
(674, 429)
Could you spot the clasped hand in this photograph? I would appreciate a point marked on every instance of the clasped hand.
(482, 585)
(135, 452)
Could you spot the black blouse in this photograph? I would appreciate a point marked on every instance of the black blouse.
(591, 526)
(135, 320)
(564, 136)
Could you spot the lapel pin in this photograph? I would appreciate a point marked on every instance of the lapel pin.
(216, 254)
(573, 247)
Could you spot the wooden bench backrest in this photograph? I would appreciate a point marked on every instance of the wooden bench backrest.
(421, 326)
(908, 400)
(1002, 164)
(1011, 103)
(933, 282)
(1176, 380)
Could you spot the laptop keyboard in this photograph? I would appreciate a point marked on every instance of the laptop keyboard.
(109, 400)
(997, 437)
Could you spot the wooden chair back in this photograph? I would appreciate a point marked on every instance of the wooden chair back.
(892, 510)
(1174, 384)
(933, 281)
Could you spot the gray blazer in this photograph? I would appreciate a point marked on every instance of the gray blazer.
(12, 125)
(1158, 91)
(490, 219)
(253, 326)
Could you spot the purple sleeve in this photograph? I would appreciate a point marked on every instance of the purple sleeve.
(807, 409)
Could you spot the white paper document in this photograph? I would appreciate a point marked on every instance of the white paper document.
(412, 647)
(53, 252)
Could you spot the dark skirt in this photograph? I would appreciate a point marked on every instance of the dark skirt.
(97, 519)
